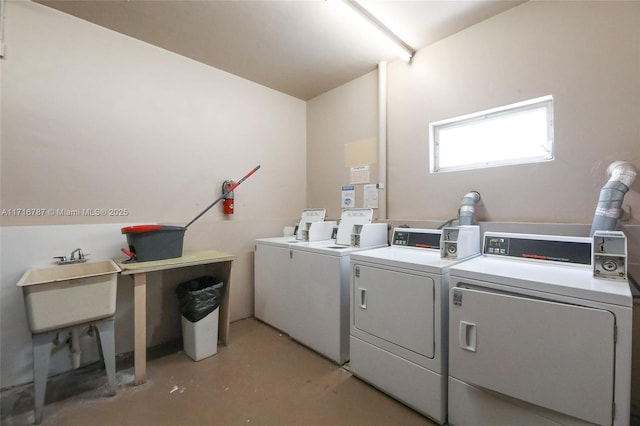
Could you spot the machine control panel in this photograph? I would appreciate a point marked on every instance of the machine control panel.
(539, 247)
(418, 238)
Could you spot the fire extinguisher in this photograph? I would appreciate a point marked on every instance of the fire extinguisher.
(228, 198)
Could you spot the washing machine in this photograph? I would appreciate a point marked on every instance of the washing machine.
(399, 314)
(319, 294)
(272, 264)
(540, 333)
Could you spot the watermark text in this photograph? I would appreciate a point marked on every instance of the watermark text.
(58, 212)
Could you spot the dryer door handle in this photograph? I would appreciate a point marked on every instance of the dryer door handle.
(363, 298)
(467, 334)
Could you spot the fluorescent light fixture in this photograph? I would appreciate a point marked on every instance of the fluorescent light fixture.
(402, 49)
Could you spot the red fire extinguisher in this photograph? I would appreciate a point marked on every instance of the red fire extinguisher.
(228, 198)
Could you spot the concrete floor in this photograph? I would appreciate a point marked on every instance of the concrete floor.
(261, 378)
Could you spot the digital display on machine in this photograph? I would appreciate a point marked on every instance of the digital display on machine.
(556, 251)
(416, 239)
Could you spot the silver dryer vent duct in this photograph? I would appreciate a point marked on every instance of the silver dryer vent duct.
(468, 208)
(609, 207)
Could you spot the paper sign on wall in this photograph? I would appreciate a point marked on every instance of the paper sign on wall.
(370, 196)
(360, 174)
(348, 196)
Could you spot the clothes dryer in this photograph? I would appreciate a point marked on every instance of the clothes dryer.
(399, 314)
(535, 338)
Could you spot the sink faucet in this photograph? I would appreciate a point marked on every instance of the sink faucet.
(80, 254)
(82, 257)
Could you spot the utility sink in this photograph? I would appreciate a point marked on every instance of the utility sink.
(61, 296)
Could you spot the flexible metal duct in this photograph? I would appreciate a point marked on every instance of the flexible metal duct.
(468, 208)
(623, 175)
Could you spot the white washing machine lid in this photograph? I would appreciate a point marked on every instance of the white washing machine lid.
(329, 248)
(555, 279)
(422, 260)
(279, 241)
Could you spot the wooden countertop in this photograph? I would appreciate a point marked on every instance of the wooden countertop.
(191, 258)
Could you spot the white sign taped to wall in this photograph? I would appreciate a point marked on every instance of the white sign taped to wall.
(360, 174)
(348, 196)
(370, 196)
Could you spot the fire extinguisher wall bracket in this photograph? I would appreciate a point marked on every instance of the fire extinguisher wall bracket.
(227, 206)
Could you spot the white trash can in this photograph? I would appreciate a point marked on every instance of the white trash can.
(200, 338)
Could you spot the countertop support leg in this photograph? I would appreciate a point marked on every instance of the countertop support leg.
(140, 326)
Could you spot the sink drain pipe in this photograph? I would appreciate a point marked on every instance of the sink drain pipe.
(609, 206)
(74, 347)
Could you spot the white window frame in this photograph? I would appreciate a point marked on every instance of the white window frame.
(547, 154)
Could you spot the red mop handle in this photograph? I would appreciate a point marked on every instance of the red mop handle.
(231, 188)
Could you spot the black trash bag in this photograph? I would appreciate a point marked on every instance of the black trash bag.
(199, 297)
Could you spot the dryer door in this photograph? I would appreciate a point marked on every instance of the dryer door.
(551, 354)
(395, 306)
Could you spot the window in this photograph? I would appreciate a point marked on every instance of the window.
(512, 134)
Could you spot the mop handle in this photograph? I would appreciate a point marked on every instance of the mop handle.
(231, 188)
(235, 185)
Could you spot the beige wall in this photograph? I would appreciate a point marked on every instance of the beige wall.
(346, 115)
(95, 119)
(585, 54)
(92, 119)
